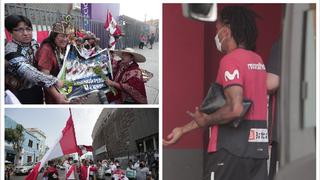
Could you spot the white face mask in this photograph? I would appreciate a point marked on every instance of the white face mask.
(218, 43)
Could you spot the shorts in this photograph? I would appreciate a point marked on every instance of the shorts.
(223, 165)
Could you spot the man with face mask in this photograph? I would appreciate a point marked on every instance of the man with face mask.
(241, 152)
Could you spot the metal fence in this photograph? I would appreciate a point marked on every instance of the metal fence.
(132, 29)
(43, 19)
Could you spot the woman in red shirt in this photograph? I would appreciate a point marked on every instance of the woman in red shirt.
(50, 57)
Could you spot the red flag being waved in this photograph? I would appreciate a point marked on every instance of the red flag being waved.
(66, 144)
(84, 149)
(111, 25)
(113, 28)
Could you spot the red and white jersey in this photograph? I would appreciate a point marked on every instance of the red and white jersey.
(246, 69)
(70, 171)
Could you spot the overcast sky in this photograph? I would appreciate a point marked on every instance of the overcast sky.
(52, 120)
(151, 9)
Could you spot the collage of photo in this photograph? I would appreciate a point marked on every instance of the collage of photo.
(159, 91)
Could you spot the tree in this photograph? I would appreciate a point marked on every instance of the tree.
(16, 137)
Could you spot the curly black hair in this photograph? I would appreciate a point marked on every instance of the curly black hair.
(242, 23)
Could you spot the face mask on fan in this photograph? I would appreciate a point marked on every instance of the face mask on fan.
(218, 43)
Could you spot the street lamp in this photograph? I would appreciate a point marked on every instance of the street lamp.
(123, 40)
(140, 150)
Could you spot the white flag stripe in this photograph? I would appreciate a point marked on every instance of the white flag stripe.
(50, 153)
(56, 152)
(35, 35)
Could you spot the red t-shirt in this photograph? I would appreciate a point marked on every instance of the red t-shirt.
(47, 59)
(246, 69)
(84, 172)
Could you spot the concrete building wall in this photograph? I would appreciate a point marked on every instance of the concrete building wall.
(102, 119)
(121, 133)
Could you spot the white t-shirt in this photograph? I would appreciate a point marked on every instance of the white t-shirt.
(136, 165)
(113, 167)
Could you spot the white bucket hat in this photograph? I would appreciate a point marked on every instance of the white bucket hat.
(137, 57)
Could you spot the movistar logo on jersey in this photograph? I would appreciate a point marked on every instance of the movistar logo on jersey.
(258, 66)
(231, 76)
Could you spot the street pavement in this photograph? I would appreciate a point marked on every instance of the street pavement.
(21, 177)
(151, 65)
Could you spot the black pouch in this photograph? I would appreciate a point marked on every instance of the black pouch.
(215, 99)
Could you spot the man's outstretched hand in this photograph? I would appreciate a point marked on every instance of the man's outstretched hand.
(173, 137)
(199, 120)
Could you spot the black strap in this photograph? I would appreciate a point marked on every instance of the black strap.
(273, 160)
(274, 144)
(270, 118)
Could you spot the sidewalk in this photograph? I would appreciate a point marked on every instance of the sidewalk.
(151, 65)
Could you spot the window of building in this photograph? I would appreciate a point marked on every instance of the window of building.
(148, 144)
(29, 158)
(37, 146)
(30, 143)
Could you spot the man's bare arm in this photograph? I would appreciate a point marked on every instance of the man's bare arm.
(230, 111)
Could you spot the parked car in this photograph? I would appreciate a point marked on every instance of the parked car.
(24, 169)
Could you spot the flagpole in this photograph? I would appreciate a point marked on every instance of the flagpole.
(79, 165)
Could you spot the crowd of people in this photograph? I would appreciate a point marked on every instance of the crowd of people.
(32, 68)
(146, 39)
(103, 170)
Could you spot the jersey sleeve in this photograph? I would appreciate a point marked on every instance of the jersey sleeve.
(229, 73)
